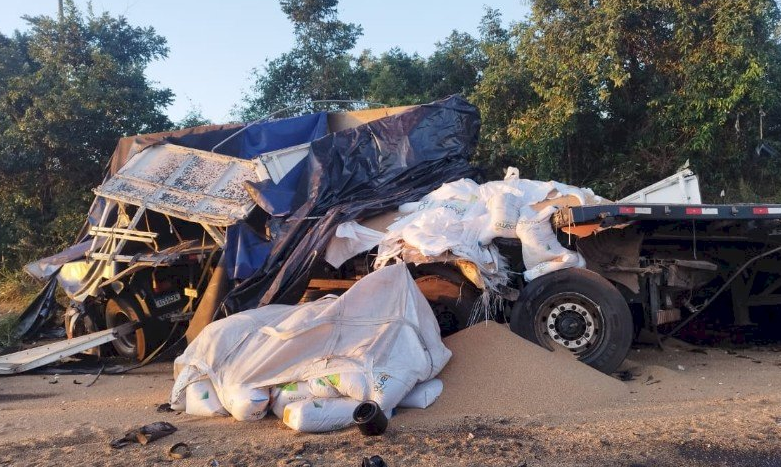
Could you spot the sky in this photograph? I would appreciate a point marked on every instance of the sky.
(215, 45)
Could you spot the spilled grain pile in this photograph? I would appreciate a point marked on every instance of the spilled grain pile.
(493, 372)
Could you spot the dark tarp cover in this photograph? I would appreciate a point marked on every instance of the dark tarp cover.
(358, 173)
(277, 198)
(42, 309)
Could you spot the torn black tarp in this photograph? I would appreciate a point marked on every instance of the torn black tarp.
(358, 173)
(42, 308)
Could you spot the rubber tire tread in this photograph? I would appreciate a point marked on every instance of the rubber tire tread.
(134, 313)
(618, 327)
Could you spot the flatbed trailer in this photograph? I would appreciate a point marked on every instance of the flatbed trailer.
(664, 212)
(653, 268)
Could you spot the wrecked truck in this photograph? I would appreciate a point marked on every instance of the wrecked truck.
(187, 224)
(193, 225)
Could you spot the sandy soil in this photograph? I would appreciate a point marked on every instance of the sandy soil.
(684, 406)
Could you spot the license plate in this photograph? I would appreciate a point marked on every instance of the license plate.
(167, 299)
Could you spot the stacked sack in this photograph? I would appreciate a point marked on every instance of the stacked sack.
(312, 364)
(314, 406)
(462, 219)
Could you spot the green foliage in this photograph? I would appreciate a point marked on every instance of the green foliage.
(193, 117)
(68, 90)
(8, 336)
(612, 94)
(396, 78)
(318, 67)
(629, 90)
(502, 94)
(17, 289)
(455, 65)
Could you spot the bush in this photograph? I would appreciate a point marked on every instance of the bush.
(7, 326)
(17, 289)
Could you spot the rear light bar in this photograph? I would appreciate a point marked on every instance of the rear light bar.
(633, 210)
(702, 211)
(766, 211)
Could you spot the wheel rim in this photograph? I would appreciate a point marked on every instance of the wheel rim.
(126, 344)
(570, 321)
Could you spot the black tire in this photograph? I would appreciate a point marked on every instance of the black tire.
(138, 345)
(576, 310)
(452, 301)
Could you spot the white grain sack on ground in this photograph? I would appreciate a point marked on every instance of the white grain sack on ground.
(494, 372)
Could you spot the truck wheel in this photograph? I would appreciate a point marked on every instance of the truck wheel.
(451, 302)
(578, 311)
(121, 310)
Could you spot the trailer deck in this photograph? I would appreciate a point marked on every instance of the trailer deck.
(623, 212)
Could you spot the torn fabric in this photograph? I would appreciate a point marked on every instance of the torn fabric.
(349, 241)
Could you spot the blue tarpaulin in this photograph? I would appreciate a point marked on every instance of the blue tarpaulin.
(358, 173)
(245, 251)
(278, 134)
(278, 199)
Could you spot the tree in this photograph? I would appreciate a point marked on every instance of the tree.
(193, 117)
(396, 78)
(502, 94)
(69, 89)
(626, 91)
(455, 65)
(318, 67)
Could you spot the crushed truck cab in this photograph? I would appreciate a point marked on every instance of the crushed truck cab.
(199, 223)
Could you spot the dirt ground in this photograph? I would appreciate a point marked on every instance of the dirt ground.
(686, 405)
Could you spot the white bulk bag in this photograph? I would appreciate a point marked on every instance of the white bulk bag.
(542, 252)
(353, 385)
(284, 394)
(503, 209)
(387, 391)
(322, 387)
(201, 400)
(422, 395)
(381, 325)
(247, 404)
(318, 415)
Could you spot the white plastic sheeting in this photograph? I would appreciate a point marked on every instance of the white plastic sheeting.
(376, 341)
(463, 217)
(350, 239)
